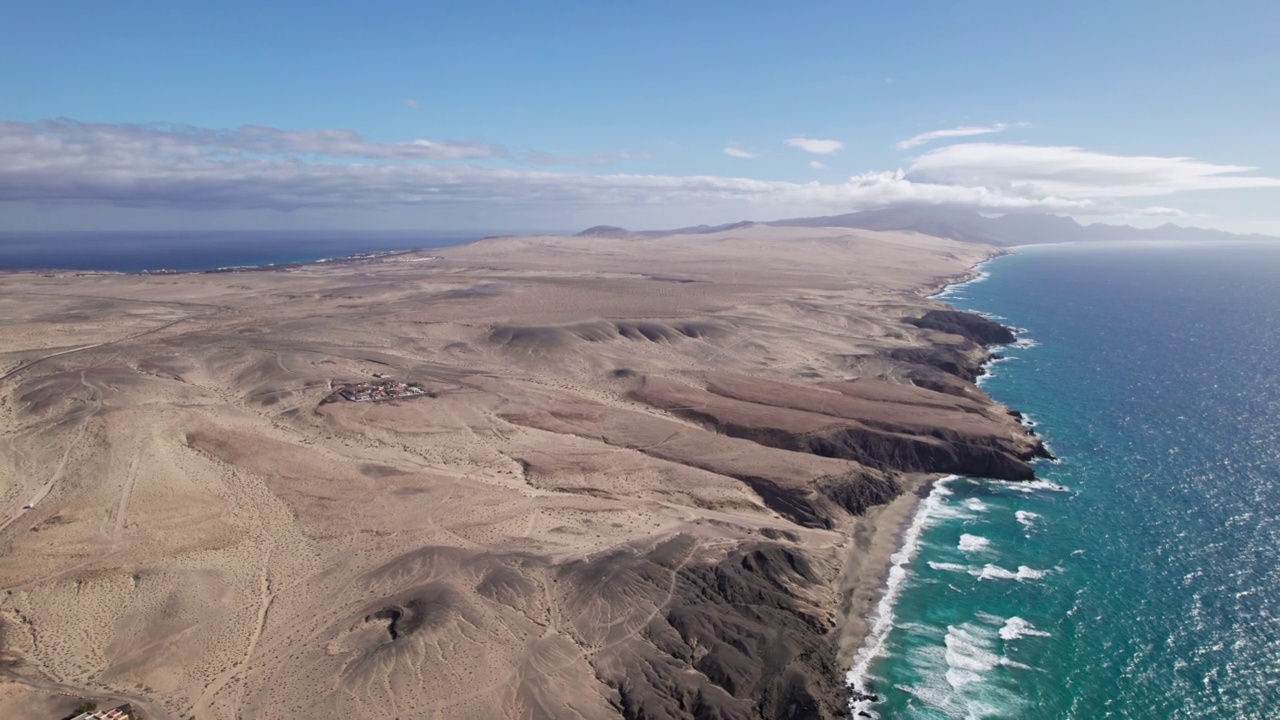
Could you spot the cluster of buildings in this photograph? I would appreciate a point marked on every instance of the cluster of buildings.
(385, 389)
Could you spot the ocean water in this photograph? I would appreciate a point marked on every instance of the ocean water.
(203, 250)
(1141, 577)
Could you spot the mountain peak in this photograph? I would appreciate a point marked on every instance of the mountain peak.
(1017, 228)
(609, 231)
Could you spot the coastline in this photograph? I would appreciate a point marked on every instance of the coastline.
(194, 252)
(876, 538)
(884, 540)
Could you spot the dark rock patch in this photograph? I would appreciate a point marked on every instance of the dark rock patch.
(430, 607)
(374, 470)
(967, 325)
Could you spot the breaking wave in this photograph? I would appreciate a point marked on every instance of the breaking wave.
(973, 543)
(1016, 628)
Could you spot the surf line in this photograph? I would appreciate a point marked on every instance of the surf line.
(882, 623)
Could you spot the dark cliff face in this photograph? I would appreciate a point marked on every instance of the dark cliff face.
(967, 325)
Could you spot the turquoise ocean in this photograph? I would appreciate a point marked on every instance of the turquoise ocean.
(1140, 578)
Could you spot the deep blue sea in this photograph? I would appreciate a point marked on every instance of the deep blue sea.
(204, 250)
(1141, 578)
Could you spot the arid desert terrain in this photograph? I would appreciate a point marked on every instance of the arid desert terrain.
(649, 478)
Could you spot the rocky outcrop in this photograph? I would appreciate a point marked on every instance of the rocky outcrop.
(967, 325)
(964, 362)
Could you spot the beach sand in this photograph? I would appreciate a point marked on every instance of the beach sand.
(649, 477)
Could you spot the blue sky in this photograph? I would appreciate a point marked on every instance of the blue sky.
(562, 114)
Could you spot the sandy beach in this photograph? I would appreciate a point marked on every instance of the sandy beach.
(655, 477)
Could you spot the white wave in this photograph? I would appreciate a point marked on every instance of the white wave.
(975, 505)
(970, 657)
(973, 543)
(1026, 518)
(1015, 628)
(979, 275)
(943, 510)
(995, 572)
(882, 622)
(964, 676)
(916, 628)
(1024, 343)
(1030, 486)
(948, 567)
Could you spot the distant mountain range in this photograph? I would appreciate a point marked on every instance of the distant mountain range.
(964, 224)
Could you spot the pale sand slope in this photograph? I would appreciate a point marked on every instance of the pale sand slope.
(605, 512)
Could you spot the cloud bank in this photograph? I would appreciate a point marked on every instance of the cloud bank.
(1076, 173)
(253, 168)
(739, 153)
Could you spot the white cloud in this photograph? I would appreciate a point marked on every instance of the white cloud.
(76, 138)
(817, 165)
(250, 168)
(410, 102)
(951, 133)
(739, 153)
(1161, 211)
(1072, 172)
(820, 147)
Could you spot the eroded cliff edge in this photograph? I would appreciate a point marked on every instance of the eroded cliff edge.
(748, 625)
(635, 489)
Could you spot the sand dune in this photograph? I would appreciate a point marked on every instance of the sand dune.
(642, 484)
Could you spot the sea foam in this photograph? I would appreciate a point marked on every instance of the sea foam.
(1029, 487)
(973, 543)
(963, 678)
(995, 572)
(980, 274)
(882, 621)
(1026, 518)
(1015, 628)
(970, 656)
